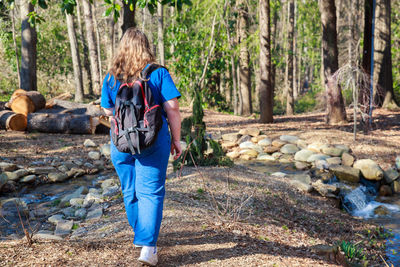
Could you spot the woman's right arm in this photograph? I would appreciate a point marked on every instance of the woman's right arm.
(108, 111)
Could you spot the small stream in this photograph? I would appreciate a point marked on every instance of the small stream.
(360, 201)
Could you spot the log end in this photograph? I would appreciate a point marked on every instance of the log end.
(17, 122)
(22, 104)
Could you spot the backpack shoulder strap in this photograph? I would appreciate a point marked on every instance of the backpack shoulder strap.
(152, 67)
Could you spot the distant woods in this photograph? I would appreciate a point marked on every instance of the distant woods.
(263, 57)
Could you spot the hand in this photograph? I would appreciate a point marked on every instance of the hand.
(176, 149)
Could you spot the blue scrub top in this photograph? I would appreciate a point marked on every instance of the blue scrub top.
(161, 84)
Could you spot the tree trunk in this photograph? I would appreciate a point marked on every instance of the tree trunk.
(76, 61)
(245, 82)
(96, 27)
(110, 40)
(62, 123)
(87, 75)
(28, 49)
(161, 54)
(91, 39)
(335, 105)
(12, 121)
(290, 64)
(172, 45)
(266, 90)
(128, 16)
(75, 108)
(15, 44)
(383, 77)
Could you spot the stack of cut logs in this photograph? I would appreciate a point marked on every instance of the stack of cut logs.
(28, 111)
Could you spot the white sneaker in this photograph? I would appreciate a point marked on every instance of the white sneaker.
(148, 255)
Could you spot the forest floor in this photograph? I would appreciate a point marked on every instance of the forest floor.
(218, 216)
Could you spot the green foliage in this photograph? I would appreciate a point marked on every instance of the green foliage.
(351, 251)
(197, 152)
(306, 102)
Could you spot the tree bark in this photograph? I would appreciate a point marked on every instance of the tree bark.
(96, 27)
(161, 54)
(61, 123)
(290, 63)
(128, 16)
(245, 82)
(76, 61)
(87, 75)
(91, 39)
(383, 77)
(335, 105)
(28, 49)
(25, 102)
(266, 90)
(76, 108)
(15, 44)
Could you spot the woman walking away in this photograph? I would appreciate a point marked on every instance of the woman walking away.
(142, 175)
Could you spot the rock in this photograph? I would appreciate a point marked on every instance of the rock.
(345, 173)
(81, 213)
(332, 151)
(344, 148)
(264, 156)
(246, 157)
(95, 191)
(279, 174)
(111, 191)
(249, 152)
(7, 167)
(41, 170)
(385, 190)
(88, 165)
(89, 143)
(334, 161)
(303, 155)
(244, 138)
(265, 142)
(64, 228)
(95, 214)
(390, 175)
(248, 145)
(289, 139)
(303, 178)
(369, 169)
(92, 198)
(324, 250)
(301, 144)
(10, 204)
(228, 145)
(396, 187)
(289, 149)
(301, 165)
(76, 194)
(94, 155)
(107, 183)
(11, 176)
(271, 149)
(57, 177)
(64, 168)
(278, 143)
(28, 179)
(257, 139)
(76, 202)
(46, 235)
(306, 188)
(21, 173)
(250, 131)
(56, 218)
(105, 150)
(277, 155)
(233, 137)
(315, 157)
(347, 159)
(68, 212)
(316, 147)
(397, 163)
(76, 172)
(233, 155)
(325, 190)
(381, 211)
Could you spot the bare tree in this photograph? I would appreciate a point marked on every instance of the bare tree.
(160, 13)
(335, 105)
(76, 61)
(91, 39)
(266, 90)
(289, 62)
(28, 49)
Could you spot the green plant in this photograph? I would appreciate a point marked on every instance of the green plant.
(351, 251)
(75, 226)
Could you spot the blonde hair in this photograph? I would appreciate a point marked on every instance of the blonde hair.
(132, 56)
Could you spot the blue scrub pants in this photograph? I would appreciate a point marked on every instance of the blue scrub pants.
(143, 186)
